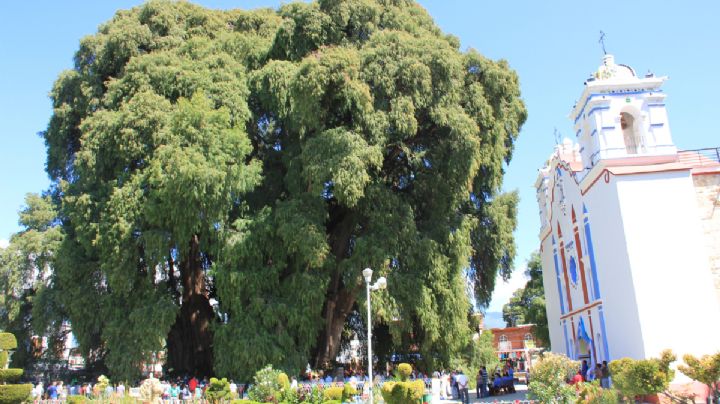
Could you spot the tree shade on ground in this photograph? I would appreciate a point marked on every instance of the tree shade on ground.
(261, 159)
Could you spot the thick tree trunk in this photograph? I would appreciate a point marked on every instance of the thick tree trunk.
(190, 338)
(335, 314)
(340, 297)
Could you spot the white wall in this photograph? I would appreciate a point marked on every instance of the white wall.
(670, 270)
(615, 282)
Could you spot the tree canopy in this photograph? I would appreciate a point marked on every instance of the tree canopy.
(527, 305)
(223, 177)
(25, 270)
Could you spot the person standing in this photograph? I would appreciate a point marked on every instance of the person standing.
(484, 384)
(478, 384)
(52, 392)
(605, 375)
(462, 385)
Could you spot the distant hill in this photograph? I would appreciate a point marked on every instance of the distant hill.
(494, 319)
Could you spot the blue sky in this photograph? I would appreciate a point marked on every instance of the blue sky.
(553, 45)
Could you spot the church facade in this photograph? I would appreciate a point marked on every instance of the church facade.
(630, 228)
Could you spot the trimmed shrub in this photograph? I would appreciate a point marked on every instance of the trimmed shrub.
(403, 392)
(266, 387)
(11, 393)
(549, 379)
(218, 390)
(10, 375)
(592, 393)
(7, 341)
(642, 377)
(386, 390)
(404, 370)
(333, 393)
(76, 400)
(14, 393)
(283, 381)
(348, 393)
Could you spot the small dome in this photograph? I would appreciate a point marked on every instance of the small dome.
(610, 70)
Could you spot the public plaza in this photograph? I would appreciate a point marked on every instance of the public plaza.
(359, 201)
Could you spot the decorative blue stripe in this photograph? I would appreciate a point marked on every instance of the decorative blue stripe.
(604, 334)
(557, 276)
(656, 105)
(657, 125)
(567, 342)
(591, 254)
(608, 128)
(593, 132)
(578, 133)
(591, 96)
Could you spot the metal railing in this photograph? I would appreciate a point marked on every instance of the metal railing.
(700, 157)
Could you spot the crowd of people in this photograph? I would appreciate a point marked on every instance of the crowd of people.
(174, 390)
(587, 373)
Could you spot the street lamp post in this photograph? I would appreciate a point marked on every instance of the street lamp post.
(380, 284)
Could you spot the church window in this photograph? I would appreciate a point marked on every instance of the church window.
(573, 270)
(630, 137)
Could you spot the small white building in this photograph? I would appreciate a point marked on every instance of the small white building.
(630, 228)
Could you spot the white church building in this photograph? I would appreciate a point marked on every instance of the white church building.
(630, 228)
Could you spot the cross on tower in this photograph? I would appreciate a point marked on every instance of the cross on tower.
(602, 42)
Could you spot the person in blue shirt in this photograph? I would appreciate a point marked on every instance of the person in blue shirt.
(52, 391)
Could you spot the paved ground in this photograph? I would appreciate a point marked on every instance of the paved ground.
(520, 394)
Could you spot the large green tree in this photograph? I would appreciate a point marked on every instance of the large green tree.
(527, 305)
(26, 265)
(263, 159)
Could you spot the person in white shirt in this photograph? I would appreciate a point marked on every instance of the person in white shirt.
(233, 389)
(462, 385)
(38, 391)
(121, 390)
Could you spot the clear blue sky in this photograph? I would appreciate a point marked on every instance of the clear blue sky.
(552, 45)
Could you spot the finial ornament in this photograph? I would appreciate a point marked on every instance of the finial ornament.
(601, 41)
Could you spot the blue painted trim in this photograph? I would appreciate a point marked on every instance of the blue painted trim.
(604, 334)
(608, 128)
(591, 254)
(578, 133)
(656, 105)
(593, 95)
(567, 341)
(582, 148)
(657, 125)
(557, 277)
(592, 111)
(593, 132)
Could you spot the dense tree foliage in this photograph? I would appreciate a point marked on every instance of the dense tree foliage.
(527, 305)
(25, 269)
(262, 159)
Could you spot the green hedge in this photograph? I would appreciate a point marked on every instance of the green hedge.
(10, 375)
(333, 393)
(14, 393)
(403, 392)
(76, 400)
(7, 341)
(3, 359)
(332, 402)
